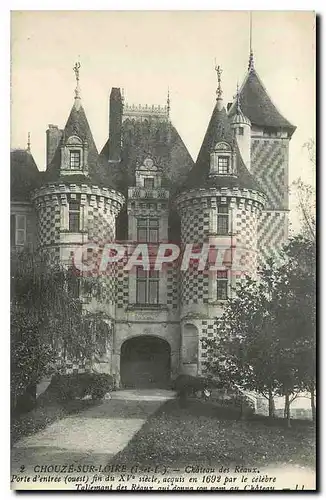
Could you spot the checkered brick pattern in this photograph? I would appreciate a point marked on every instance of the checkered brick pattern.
(194, 224)
(194, 285)
(269, 164)
(101, 223)
(209, 330)
(272, 235)
(105, 289)
(173, 285)
(122, 285)
(108, 288)
(194, 229)
(48, 223)
(246, 224)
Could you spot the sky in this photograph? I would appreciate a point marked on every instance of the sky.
(147, 52)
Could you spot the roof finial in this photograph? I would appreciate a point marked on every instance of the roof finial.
(76, 69)
(168, 103)
(29, 142)
(238, 98)
(251, 53)
(219, 90)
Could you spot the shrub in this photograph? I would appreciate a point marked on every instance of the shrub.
(187, 385)
(80, 385)
(233, 398)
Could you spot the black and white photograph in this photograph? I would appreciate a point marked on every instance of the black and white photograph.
(163, 250)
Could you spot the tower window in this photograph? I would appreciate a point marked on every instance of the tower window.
(222, 285)
(74, 217)
(147, 230)
(240, 130)
(149, 182)
(222, 220)
(75, 160)
(223, 163)
(147, 287)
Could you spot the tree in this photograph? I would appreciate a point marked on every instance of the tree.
(267, 332)
(49, 321)
(306, 196)
(243, 352)
(301, 275)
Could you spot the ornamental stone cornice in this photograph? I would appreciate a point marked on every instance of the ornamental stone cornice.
(94, 193)
(208, 197)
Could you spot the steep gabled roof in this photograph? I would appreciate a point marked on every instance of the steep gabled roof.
(219, 130)
(258, 106)
(77, 124)
(24, 174)
(159, 139)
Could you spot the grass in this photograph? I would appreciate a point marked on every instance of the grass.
(204, 434)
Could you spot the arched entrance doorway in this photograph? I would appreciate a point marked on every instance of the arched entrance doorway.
(145, 362)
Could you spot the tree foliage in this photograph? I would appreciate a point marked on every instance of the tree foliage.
(49, 321)
(267, 340)
(306, 196)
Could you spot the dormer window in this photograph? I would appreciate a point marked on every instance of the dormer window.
(74, 154)
(75, 158)
(222, 160)
(148, 174)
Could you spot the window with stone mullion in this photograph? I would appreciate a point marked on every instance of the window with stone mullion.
(147, 287)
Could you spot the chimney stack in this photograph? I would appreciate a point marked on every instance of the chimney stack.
(115, 125)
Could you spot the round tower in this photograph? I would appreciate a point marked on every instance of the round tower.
(76, 211)
(219, 209)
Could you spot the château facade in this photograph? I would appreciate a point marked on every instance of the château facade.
(144, 187)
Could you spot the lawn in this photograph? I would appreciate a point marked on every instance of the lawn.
(204, 434)
(45, 414)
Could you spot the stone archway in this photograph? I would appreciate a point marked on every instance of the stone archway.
(145, 362)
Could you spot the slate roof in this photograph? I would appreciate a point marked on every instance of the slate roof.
(24, 174)
(219, 130)
(159, 139)
(258, 106)
(77, 124)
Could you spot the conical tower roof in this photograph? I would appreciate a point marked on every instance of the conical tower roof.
(257, 105)
(219, 130)
(77, 125)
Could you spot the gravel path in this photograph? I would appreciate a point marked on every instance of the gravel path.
(93, 436)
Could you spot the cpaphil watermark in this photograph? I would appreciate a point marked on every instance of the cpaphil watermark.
(101, 259)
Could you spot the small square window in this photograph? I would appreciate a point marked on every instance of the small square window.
(149, 182)
(75, 160)
(240, 130)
